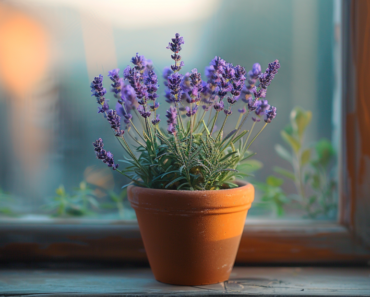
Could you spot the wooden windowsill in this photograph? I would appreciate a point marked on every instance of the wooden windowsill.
(255, 281)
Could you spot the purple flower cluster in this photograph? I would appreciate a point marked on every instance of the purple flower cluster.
(191, 111)
(106, 157)
(270, 114)
(171, 120)
(156, 120)
(151, 83)
(252, 78)
(128, 98)
(135, 79)
(139, 62)
(269, 74)
(117, 81)
(115, 122)
(175, 47)
(173, 84)
(143, 112)
(195, 87)
(98, 91)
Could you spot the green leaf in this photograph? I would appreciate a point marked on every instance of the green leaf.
(294, 143)
(305, 157)
(249, 166)
(325, 152)
(175, 180)
(283, 153)
(300, 120)
(274, 181)
(284, 172)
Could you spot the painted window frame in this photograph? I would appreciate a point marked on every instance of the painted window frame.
(310, 242)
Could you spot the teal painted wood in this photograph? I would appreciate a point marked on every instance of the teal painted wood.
(256, 281)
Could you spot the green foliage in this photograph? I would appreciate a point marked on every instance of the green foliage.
(310, 171)
(192, 159)
(273, 194)
(5, 210)
(81, 203)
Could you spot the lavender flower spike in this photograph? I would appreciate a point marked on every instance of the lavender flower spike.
(156, 120)
(115, 122)
(117, 82)
(174, 81)
(270, 114)
(190, 112)
(268, 76)
(175, 47)
(106, 157)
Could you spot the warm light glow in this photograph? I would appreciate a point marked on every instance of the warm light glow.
(139, 13)
(24, 52)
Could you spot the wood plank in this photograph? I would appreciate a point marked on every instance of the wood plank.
(355, 184)
(275, 242)
(256, 281)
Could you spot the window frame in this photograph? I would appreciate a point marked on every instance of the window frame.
(310, 242)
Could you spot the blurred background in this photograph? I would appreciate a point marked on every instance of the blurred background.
(51, 50)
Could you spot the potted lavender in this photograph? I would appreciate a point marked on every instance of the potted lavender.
(189, 204)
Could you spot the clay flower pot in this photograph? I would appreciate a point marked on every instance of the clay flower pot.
(191, 237)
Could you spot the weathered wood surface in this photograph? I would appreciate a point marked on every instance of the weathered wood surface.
(259, 281)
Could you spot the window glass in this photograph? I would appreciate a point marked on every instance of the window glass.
(51, 50)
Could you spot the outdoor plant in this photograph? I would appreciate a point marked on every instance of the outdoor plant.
(191, 154)
(311, 171)
(80, 203)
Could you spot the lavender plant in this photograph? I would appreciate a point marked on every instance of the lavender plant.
(191, 153)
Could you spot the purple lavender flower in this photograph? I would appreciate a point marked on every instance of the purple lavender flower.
(219, 106)
(259, 93)
(191, 111)
(262, 105)
(143, 112)
(218, 65)
(103, 108)
(253, 76)
(139, 62)
(169, 97)
(135, 78)
(224, 86)
(175, 47)
(206, 107)
(151, 82)
(252, 104)
(171, 129)
(156, 120)
(165, 74)
(128, 98)
(98, 145)
(97, 89)
(255, 72)
(228, 112)
(268, 76)
(270, 114)
(174, 81)
(195, 87)
(172, 116)
(229, 72)
(255, 119)
(232, 100)
(242, 110)
(115, 122)
(155, 106)
(117, 82)
(106, 157)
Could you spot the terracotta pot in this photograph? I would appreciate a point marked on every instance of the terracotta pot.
(191, 237)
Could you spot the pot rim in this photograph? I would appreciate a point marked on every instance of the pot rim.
(192, 202)
(241, 183)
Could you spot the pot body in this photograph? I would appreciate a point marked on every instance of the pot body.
(191, 237)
